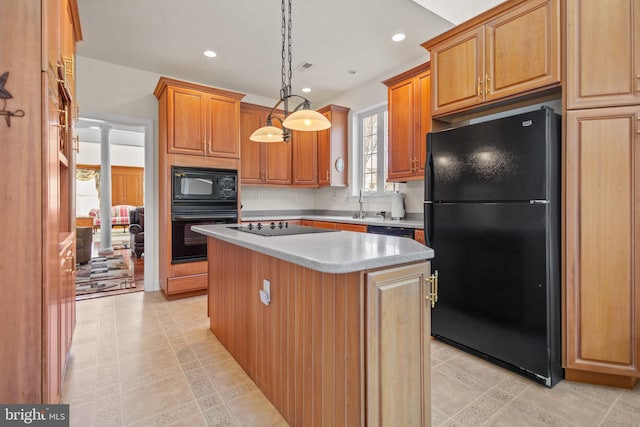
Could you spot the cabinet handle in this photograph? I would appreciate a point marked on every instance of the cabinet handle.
(328, 175)
(68, 60)
(76, 146)
(71, 258)
(479, 86)
(432, 296)
(488, 81)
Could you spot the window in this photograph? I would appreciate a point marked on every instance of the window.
(373, 145)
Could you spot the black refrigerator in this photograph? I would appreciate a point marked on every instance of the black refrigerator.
(492, 216)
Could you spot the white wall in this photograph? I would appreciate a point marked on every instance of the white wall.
(121, 155)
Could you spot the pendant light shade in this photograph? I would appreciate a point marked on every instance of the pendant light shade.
(267, 134)
(303, 117)
(306, 120)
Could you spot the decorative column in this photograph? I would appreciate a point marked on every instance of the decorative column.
(105, 191)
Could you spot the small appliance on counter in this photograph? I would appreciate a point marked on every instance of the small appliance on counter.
(397, 205)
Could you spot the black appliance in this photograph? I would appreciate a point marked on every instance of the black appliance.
(279, 229)
(492, 213)
(390, 231)
(199, 196)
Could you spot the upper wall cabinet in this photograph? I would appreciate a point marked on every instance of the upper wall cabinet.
(409, 122)
(201, 120)
(332, 148)
(509, 50)
(262, 163)
(603, 53)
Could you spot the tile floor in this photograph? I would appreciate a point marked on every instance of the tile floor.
(139, 360)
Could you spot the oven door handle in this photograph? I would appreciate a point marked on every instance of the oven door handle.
(203, 217)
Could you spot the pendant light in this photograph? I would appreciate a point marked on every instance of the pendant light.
(302, 118)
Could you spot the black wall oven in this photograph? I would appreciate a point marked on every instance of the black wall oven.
(199, 196)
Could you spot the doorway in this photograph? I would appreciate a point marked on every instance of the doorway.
(131, 186)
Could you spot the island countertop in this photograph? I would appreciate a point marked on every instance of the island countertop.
(330, 252)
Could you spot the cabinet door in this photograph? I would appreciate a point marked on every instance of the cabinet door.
(398, 367)
(277, 163)
(402, 102)
(458, 72)
(185, 122)
(603, 53)
(324, 154)
(250, 120)
(522, 49)
(602, 235)
(423, 83)
(305, 158)
(117, 189)
(223, 138)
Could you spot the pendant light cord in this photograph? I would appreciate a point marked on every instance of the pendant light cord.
(286, 70)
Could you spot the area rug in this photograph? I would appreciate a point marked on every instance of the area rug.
(104, 273)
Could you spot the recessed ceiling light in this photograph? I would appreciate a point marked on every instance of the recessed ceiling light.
(398, 37)
(210, 53)
(306, 89)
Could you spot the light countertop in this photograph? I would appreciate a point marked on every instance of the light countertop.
(330, 252)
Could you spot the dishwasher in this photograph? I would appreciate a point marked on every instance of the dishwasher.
(391, 231)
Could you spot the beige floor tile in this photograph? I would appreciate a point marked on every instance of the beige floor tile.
(561, 405)
(255, 410)
(511, 418)
(137, 365)
(226, 374)
(449, 395)
(219, 417)
(108, 412)
(81, 415)
(138, 358)
(158, 397)
(180, 415)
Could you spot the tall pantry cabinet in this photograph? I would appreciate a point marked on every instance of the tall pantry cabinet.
(37, 259)
(602, 197)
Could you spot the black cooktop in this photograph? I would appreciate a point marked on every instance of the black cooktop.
(279, 229)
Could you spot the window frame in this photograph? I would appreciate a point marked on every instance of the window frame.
(382, 154)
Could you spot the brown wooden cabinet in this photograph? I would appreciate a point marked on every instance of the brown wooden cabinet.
(262, 163)
(199, 126)
(304, 147)
(509, 50)
(127, 185)
(603, 53)
(603, 244)
(418, 236)
(601, 312)
(200, 120)
(332, 148)
(409, 100)
(396, 301)
(36, 169)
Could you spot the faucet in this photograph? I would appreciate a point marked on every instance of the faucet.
(360, 214)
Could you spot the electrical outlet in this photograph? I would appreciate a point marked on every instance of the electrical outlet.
(265, 292)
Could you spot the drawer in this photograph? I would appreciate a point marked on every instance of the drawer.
(176, 285)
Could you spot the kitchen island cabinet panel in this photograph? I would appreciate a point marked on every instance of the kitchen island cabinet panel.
(332, 344)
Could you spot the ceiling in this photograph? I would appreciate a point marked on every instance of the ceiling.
(348, 42)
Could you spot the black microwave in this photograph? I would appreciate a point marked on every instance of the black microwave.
(203, 185)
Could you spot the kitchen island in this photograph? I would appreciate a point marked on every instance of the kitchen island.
(333, 327)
